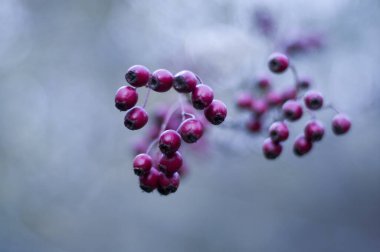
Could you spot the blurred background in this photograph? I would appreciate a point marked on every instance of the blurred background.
(66, 181)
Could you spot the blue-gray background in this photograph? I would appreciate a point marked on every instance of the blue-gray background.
(65, 160)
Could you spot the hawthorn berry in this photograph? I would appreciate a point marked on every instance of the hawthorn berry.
(202, 96)
(149, 181)
(191, 130)
(142, 164)
(138, 76)
(135, 118)
(244, 101)
(304, 83)
(161, 81)
(169, 142)
(292, 110)
(168, 184)
(341, 124)
(273, 98)
(302, 146)
(216, 112)
(271, 149)
(278, 62)
(254, 124)
(313, 100)
(185, 81)
(126, 97)
(170, 164)
(263, 82)
(278, 132)
(289, 94)
(259, 107)
(314, 131)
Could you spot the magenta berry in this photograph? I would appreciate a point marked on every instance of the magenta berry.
(185, 81)
(138, 76)
(271, 149)
(289, 94)
(126, 97)
(142, 164)
(202, 96)
(263, 82)
(191, 130)
(313, 100)
(273, 98)
(292, 110)
(149, 182)
(254, 124)
(278, 62)
(244, 101)
(135, 118)
(169, 142)
(304, 83)
(161, 81)
(216, 112)
(170, 164)
(167, 185)
(259, 107)
(314, 131)
(302, 146)
(278, 132)
(341, 124)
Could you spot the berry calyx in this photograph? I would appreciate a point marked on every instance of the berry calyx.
(135, 118)
(142, 164)
(161, 81)
(341, 124)
(149, 182)
(169, 142)
(302, 146)
(202, 96)
(292, 110)
(314, 131)
(313, 100)
(170, 164)
(126, 97)
(278, 62)
(271, 149)
(216, 112)
(191, 130)
(185, 81)
(137, 75)
(168, 184)
(278, 132)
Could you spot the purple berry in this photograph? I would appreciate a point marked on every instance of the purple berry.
(259, 107)
(169, 142)
(202, 96)
(167, 185)
(216, 112)
(273, 98)
(191, 130)
(185, 81)
(271, 149)
(244, 101)
(126, 97)
(162, 80)
(254, 124)
(149, 182)
(313, 100)
(278, 132)
(289, 94)
(135, 118)
(341, 124)
(138, 76)
(142, 164)
(263, 82)
(170, 164)
(278, 62)
(292, 110)
(304, 83)
(314, 131)
(302, 146)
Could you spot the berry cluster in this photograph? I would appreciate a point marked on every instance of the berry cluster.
(280, 108)
(162, 169)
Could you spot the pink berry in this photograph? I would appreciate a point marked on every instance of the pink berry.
(142, 164)
(273, 98)
(259, 107)
(167, 185)
(126, 97)
(137, 76)
(313, 100)
(254, 124)
(289, 94)
(278, 132)
(191, 130)
(135, 118)
(292, 110)
(314, 131)
(162, 80)
(185, 81)
(263, 82)
(170, 164)
(202, 96)
(216, 112)
(278, 62)
(271, 149)
(341, 124)
(302, 146)
(149, 182)
(169, 142)
(244, 101)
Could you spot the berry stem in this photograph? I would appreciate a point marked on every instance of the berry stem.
(146, 97)
(332, 107)
(183, 113)
(295, 73)
(199, 79)
(152, 144)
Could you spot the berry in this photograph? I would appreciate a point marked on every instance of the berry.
(216, 112)
(254, 124)
(190, 130)
(278, 62)
(185, 81)
(162, 80)
(304, 83)
(289, 94)
(314, 131)
(169, 142)
(302, 146)
(313, 100)
(167, 185)
(126, 97)
(142, 164)
(278, 132)
(292, 110)
(170, 164)
(341, 124)
(149, 182)
(271, 149)
(263, 82)
(137, 76)
(202, 96)
(135, 118)
(273, 98)
(259, 107)
(244, 101)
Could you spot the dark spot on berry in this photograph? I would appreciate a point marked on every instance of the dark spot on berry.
(129, 124)
(153, 84)
(138, 172)
(198, 104)
(218, 119)
(315, 103)
(131, 77)
(289, 114)
(147, 189)
(163, 191)
(179, 83)
(191, 138)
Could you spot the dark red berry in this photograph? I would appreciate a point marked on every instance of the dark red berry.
(313, 100)
(137, 76)
(278, 132)
(263, 82)
(169, 142)
(314, 131)
(302, 146)
(202, 96)
(149, 182)
(271, 149)
(142, 164)
(259, 107)
(304, 83)
(135, 118)
(168, 184)
(161, 81)
(191, 130)
(254, 124)
(341, 124)
(185, 81)
(126, 97)
(289, 94)
(170, 164)
(292, 110)
(278, 62)
(216, 112)
(244, 101)
(273, 98)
